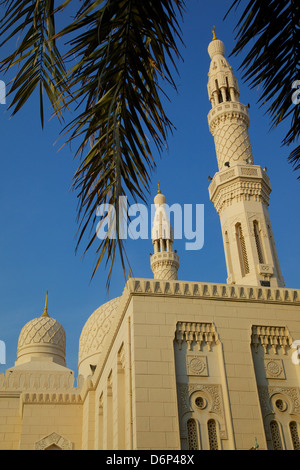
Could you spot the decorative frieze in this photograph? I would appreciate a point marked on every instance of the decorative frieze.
(136, 286)
(198, 333)
(274, 338)
(27, 380)
(51, 398)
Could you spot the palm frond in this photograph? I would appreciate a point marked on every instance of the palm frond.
(123, 49)
(37, 58)
(270, 34)
(119, 56)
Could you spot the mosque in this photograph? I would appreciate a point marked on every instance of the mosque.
(175, 365)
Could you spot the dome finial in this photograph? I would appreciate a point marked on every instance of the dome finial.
(158, 190)
(214, 33)
(45, 313)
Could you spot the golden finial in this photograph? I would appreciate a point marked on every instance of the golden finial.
(129, 274)
(45, 313)
(158, 191)
(214, 33)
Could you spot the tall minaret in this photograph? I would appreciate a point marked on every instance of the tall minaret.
(164, 262)
(239, 190)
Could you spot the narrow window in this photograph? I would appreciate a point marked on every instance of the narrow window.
(212, 435)
(258, 241)
(228, 97)
(109, 418)
(276, 439)
(229, 261)
(192, 434)
(220, 99)
(295, 435)
(242, 250)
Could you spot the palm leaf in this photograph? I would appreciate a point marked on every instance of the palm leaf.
(119, 56)
(123, 49)
(270, 33)
(32, 22)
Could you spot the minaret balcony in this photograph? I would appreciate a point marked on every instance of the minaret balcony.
(227, 109)
(242, 181)
(168, 256)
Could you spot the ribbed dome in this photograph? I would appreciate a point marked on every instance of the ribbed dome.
(93, 334)
(216, 47)
(42, 336)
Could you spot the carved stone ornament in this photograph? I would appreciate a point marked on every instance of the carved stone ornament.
(196, 365)
(266, 393)
(271, 338)
(55, 441)
(213, 391)
(274, 369)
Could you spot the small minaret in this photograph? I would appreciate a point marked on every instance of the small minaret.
(164, 262)
(239, 190)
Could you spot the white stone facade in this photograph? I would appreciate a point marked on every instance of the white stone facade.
(170, 364)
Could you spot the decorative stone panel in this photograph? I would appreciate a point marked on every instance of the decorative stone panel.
(274, 369)
(196, 365)
(55, 441)
(212, 398)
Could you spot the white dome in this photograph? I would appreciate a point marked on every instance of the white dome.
(216, 47)
(160, 199)
(91, 342)
(42, 337)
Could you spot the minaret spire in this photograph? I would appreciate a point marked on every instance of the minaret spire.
(164, 261)
(45, 313)
(240, 189)
(214, 33)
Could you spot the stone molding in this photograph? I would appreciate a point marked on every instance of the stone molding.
(165, 265)
(188, 289)
(42, 380)
(51, 398)
(228, 110)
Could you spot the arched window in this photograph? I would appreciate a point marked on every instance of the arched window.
(258, 242)
(295, 435)
(275, 433)
(242, 249)
(228, 254)
(212, 435)
(220, 98)
(228, 97)
(192, 434)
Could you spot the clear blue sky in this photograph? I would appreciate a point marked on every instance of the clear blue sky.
(38, 209)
